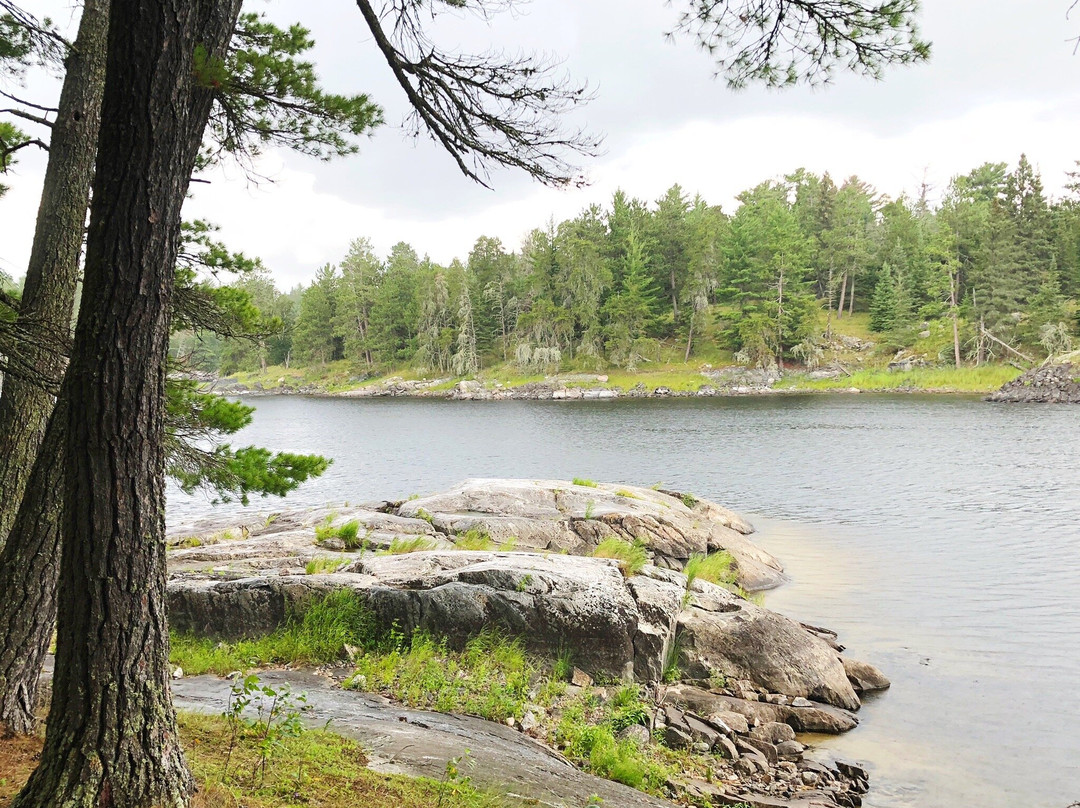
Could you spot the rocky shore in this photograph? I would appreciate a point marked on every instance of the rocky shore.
(571, 387)
(1047, 384)
(749, 679)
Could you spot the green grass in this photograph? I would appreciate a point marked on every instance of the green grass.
(689, 500)
(632, 558)
(323, 564)
(315, 768)
(474, 539)
(348, 533)
(401, 546)
(716, 568)
(984, 379)
(584, 482)
(622, 492)
(489, 678)
(586, 734)
(315, 637)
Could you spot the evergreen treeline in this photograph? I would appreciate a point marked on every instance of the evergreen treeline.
(995, 268)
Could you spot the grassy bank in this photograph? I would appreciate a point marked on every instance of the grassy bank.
(234, 765)
(985, 379)
(491, 676)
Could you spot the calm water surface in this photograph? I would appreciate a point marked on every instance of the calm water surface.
(940, 537)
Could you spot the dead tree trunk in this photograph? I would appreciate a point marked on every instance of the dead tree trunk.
(111, 737)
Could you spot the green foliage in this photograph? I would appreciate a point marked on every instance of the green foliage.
(349, 533)
(474, 539)
(400, 546)
(314, 767)
(584, 482)
(632, 558)
(324, 564)
(586, 735)
(716, 568)
(195, 419)
(651, 293)
(267, 94)
(689, 500)
(313, 636)
(489, 678)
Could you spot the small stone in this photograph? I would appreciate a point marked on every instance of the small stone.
(701, 748)
(746, 767)
(676, 738)
(725, 747)
(529, 722)
(637, 734)
(332, 544)
(510, 721)
(776, 698)
(799, 701)
(810, 778)
(351, 653)
(789, 750)
(178, 673)
(852, 770)
(580, 679)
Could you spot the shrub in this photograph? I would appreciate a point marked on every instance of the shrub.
(584, 482)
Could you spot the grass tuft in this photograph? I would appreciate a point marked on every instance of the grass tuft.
(632, 558)
(586, 483)
(474, 539)
(324, 564)
(401, 546)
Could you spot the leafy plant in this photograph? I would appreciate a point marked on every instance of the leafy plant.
(622, 492)
(589, 508)
(689, 500)
(584, 482)
(278, 718)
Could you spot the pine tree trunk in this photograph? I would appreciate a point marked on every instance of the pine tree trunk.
(52, 274)
(111, 739)
(843, 291)
(29, 565)
(851, 297)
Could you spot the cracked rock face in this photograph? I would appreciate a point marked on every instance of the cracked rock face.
(234, 580)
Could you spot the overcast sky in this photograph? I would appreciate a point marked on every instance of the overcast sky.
(1001, 81)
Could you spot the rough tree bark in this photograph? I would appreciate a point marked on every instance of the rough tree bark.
(111, 737)
(29, 565)
(52, 274)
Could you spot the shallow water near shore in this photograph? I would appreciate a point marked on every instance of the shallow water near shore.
(939, 535)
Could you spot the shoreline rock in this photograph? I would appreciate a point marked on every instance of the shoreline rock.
(1047, 384)
(750, 678)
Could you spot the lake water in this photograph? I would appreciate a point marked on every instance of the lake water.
(939, 536)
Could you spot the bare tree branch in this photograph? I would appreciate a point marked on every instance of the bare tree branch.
(18, 113)
(487, 110)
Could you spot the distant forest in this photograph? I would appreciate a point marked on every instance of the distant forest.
(989, 273)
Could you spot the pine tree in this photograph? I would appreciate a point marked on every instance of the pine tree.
(885, 307)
